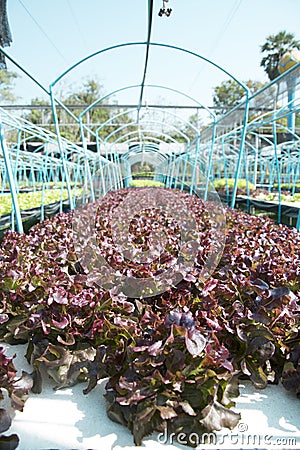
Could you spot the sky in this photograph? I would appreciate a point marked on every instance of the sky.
(50, 36)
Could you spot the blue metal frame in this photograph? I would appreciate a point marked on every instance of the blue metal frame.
(202, 153)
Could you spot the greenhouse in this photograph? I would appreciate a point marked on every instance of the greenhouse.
(150, 256)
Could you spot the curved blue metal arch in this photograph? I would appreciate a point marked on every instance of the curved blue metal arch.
(146, 85)
(174, 47)
(180, 49)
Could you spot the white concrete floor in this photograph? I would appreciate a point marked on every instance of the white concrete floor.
(67, 419)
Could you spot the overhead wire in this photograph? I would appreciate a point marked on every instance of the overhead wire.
(43, 31)
(225, 25)
(221, 33)
(150, 13)
(84, 43)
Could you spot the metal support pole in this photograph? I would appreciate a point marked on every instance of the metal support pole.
(242, 143)
(277, 171)
(210, 160)
(291, 97)
(11, 181)
(298, 220)
(193, 186)
(61, 149)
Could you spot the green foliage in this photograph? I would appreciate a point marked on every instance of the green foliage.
(142, 167)
(29, 200)
(39, 116)
(287, 186)
(186, 129)
(274, 48)
(143, 175)
(220, 184)
(86, 94)
(89, 92)
(7, 79)
(273, 197)
(229, 94)
(145, 183)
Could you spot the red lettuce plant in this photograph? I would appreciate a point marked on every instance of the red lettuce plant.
(173, 358)
(17, 389)
(171, 372)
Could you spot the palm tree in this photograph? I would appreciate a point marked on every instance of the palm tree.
(276, 46)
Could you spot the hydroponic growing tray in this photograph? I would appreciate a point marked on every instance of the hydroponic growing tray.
(67, 419)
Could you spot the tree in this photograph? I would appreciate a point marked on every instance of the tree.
(275, 47)
(229, 94)
(86, 94)
(89, 92)
(41, 116)
(6, 86)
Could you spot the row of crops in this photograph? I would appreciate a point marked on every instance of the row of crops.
(39, 195)
(54, 173)
(33, 200)
(173, 359)
(223, 153)
(168, 293)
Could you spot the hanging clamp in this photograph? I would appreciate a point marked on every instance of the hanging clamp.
(165, 11)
